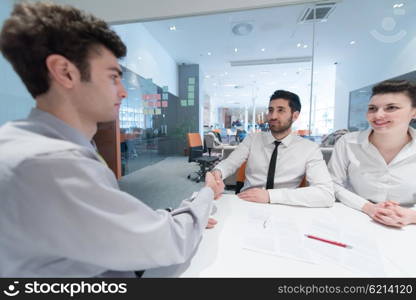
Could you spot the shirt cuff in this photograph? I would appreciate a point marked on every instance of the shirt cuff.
(275, 196)
(219, 169)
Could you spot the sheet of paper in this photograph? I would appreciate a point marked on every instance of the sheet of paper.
(290, 240)
(324, 227)
(286, 237)
(267, 234)
(364, 257)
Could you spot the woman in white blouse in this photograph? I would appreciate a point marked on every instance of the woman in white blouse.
(375, 170)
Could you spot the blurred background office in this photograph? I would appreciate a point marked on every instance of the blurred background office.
(194, 69)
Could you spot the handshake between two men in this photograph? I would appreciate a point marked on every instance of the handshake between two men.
(215, 182)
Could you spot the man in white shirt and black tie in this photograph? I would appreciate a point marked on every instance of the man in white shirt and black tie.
(278, 161)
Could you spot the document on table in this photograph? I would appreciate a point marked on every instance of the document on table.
(364, 257)
(286, 237)
(277, 236)
(324, 227)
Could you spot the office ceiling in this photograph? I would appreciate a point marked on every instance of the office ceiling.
(276, 30)
(276, 33)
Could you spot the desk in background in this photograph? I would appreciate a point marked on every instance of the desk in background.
(220, 253)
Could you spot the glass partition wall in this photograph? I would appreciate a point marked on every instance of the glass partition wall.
(218, 71)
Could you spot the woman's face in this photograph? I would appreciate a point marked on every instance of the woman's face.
(390, 112)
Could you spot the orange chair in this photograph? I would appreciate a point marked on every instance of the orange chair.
(195, 154)
(241, 177)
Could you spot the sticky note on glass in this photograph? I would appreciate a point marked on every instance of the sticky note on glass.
(165, 96)
(164, 103)
(184, 103)
(191, 88)
(191, 96)
(158, 104)
(158, 111)
(165, 88)
(191, 102)
(191, 80)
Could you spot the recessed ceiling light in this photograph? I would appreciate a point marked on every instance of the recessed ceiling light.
(262, 49)
(209, 53)
(225, 73)
(299, 45)
(140, 58)
(352, 43)
(172, 28)
(305, 46)
(207, 76)
(235, 50)
(398, 5)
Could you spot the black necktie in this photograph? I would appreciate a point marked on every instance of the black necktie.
(272, 167)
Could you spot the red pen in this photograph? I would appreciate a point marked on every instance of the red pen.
(328, 241)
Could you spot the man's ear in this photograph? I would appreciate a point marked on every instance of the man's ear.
(295, 115)
(61, 70)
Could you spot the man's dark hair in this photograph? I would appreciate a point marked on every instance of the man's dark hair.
(396, 86)
(294, 101)
(36, 30)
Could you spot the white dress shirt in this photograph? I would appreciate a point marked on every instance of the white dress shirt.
(296, 157)
(360, 173)
(63, 215)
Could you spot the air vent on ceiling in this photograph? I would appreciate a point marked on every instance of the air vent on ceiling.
(269, 61)
(319, 12)
(243, 28)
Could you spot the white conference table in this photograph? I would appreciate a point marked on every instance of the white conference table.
(220, 253)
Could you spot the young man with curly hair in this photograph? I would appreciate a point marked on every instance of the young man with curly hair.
(61, 211)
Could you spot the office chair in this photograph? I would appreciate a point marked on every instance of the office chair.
(241, 177)
(206, 163)
(212, 144)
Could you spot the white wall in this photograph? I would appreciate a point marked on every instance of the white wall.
(15, 101)
(124, 11)
(146, 57)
